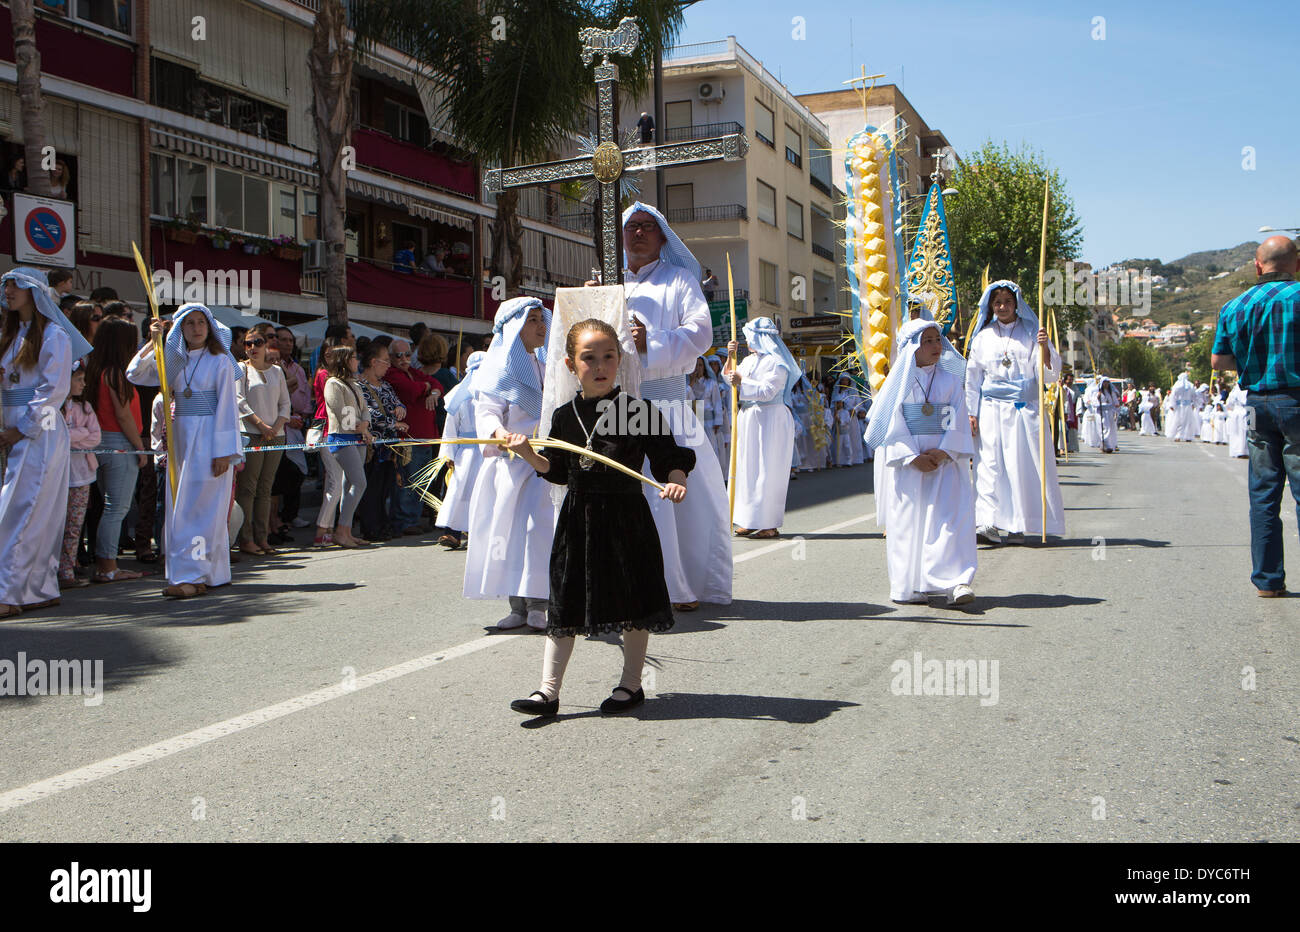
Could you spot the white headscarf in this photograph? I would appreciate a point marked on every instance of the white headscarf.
(508, 371)
(455, 399)
(762, 337)
(36, 282)
(888, 400)
(674, 251)
(1022, 309)
(175, 352)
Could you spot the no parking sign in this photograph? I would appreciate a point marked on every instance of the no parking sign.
(45, 231)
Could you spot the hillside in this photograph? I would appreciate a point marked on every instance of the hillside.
(1200, 290)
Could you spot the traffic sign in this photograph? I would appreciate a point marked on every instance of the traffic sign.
(45, 231)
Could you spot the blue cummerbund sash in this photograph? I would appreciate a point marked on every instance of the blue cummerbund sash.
(673, 388)
(761, 404)
(336, 442)
(17, 397)
(918, 422)
(1020, 391)
(199, 404)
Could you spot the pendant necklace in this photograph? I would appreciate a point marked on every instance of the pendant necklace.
(927, 409)
(586, 462)
(189, 376)
(1006, 356)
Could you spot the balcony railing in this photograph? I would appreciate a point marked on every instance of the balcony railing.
(701, 131)
(819, 250)
(705, 214)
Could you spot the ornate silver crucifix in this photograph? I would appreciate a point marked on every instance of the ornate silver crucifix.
(608, 163)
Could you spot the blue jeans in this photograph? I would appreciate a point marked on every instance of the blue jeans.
(117, 475)
(1274, 446)
(407, 504)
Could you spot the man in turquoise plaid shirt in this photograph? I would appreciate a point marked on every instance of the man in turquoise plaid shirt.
(1259, 337)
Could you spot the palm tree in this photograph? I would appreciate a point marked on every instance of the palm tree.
(514, 88)
(330, 62)
(28, 59)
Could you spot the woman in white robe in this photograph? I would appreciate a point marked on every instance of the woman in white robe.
(467, 459)
(765, 381)
(1184, 399)
(201, 374)
(1108, 407)
(1002, 397)
(1237, 421)
(1090, 426)
(1145, 407)
(721, 439)
(930, 547)
(511, 513)
(1220, 423)
(37, 347)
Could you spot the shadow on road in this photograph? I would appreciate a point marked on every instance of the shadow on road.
(684, 706)
(1058, 544)
(754, 610)
(126, 655)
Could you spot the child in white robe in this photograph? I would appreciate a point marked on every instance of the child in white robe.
(1238, 419)
(920, 428)
(466, 459)
(841, 432)
(37, 347)
(511, 515)
(854, 430)
(201, 374)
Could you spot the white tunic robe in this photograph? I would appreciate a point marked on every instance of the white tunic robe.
(206, 427)
(511, 513)
(466, 461)
(1109, 421)
(1237, 420)
(1007, 486)
(931, 515)
(34, 498)
(1090, 426)
(766, 444)
(695, 535)
(1187, 423)
(1146, 406)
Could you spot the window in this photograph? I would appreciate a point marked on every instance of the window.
(767, 279)
(819, 168)
(798, 292)
(767, 203)
(108, 14)
(764, 124)
(192, 190)
(162, 170)
(241, 202)
(677, 114)
(310, 209)
(405, 124)
(793, 147)
(794, 218)
(285, 221)
(681, 201)
(176, 87)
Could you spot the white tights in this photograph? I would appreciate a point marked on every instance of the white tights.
(559, 650)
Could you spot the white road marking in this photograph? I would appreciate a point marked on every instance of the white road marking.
(43, 789)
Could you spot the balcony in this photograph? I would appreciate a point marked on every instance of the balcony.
(824, 252)
(701, 131)
(822, 186)
(705, 214)
(406, 160)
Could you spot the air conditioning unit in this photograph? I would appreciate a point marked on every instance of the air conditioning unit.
(710, 92)
(314, 257)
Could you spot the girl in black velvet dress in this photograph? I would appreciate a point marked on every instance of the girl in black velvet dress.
(607, 570)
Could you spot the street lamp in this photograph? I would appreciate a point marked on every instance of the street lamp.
(1279, 229)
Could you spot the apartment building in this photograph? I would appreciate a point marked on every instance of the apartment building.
(773, 212)
(186, 128)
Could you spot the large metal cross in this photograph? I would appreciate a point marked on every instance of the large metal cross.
(609, 162)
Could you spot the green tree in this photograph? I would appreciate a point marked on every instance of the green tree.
(1137, 360)
(512, 84)
(1198, 356)
(997, 218)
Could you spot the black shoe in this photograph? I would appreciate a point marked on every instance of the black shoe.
(530, 706)
(612, 705)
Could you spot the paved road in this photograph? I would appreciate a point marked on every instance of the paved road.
(356, 696)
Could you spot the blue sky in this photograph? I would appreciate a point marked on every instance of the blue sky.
(1147, 126)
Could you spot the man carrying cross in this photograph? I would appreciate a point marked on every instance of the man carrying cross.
(672, 329)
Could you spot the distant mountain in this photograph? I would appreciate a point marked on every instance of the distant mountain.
(1218, 260)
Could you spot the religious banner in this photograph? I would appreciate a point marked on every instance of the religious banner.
(874, 249)
(929, 271)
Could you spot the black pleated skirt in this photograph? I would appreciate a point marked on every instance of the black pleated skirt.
(607, 568)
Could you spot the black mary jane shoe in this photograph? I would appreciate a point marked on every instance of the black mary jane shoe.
(531, 706)
(612, 705)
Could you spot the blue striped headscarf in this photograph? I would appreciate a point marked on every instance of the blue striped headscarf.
(508, 370)
(36, 282)
(175, 354)
(762, 336)
(887, 400)
(674, 251)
